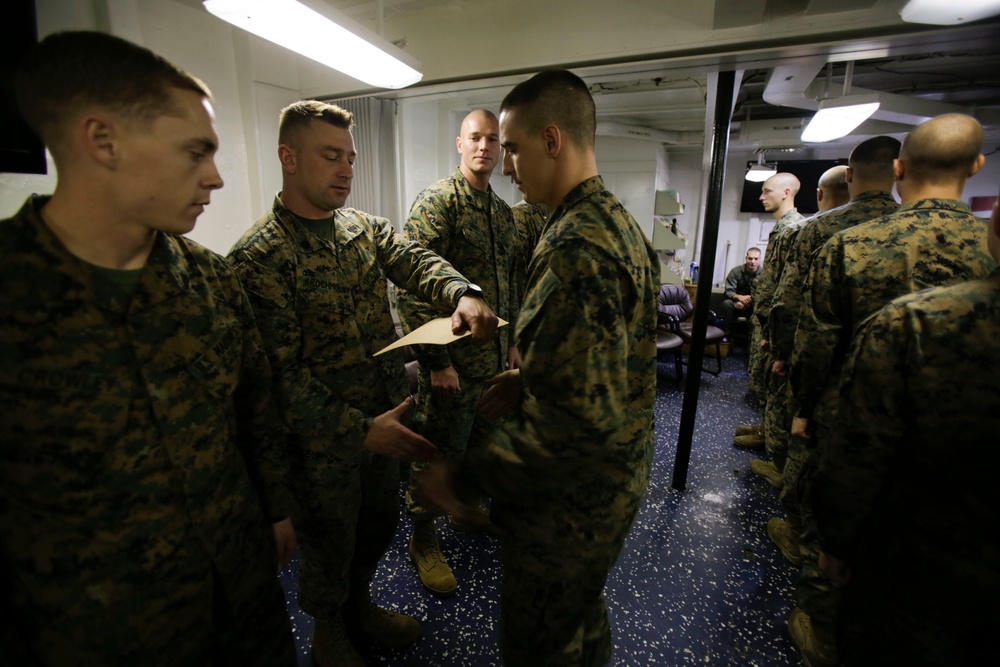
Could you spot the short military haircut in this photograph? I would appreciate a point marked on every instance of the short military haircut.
(69, 72)
(872, 159)
(783, 180)
(753, 251)
(834, 179)
(555, 97)
(300, 114)
(944, 147)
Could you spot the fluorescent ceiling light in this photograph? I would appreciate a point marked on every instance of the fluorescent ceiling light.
(838, 116)
(761, 171)
(948, 12)
(313, 29)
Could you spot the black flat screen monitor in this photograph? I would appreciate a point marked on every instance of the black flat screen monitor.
(20, 150)
(808, 173)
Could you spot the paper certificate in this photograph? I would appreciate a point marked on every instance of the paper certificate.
(435, 332)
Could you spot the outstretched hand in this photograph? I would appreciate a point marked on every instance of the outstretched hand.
(389, 437)
(503, 394)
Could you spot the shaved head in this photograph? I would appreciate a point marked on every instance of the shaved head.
(943, 149)
(480, 115)
(784, 181)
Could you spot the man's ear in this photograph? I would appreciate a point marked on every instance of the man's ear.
(458, 144)
(552, 136)
(849, 175)
(977, 165)
(101, 138)
(287, 157)
(898, 169)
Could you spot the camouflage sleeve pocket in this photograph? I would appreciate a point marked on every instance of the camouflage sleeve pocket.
(534, 301)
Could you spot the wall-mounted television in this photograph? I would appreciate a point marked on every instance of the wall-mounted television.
(21, 151)
(808, 173)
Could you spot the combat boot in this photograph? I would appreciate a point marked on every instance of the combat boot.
(784, 537)
(432, 567)
(331, 646)
(377, 624)
(749, 441)
(750, 430)
(768, 471)
(814, 641)
(473, 520)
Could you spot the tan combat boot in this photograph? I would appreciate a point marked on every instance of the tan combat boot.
(785, 538)
(750, 430)
(768, 471)
(331, 646)
(381, 625)
(432, 567)
(815, 641)
(753, 441)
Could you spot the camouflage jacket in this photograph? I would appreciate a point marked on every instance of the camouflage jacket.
(789, 294)
(323, 310)
(573, 460)
(530, 222)
(920, 379)
(449, 219)
(928, 243)
(763, 287)
(132, 436)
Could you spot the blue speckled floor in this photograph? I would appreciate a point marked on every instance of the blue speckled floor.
(698, 582)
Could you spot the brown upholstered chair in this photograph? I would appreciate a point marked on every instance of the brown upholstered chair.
(675, 302)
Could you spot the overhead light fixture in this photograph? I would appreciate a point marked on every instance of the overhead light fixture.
(761, 171)
(313, 29)
(950, 12)
(837, 117)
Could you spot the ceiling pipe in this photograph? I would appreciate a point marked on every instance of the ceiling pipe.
(797, 86)
(611, 129)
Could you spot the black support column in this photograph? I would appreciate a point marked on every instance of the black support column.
(709, 241)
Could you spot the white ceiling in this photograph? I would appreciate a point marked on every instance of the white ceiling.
(648, 61)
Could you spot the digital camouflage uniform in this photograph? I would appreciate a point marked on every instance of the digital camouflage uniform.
(905, 490)
(785, 308)
(930, 242)
(568, 471)
(529, 220)
(775, 431)
(760, 360)
(138, 442)
(475, 232)
(323, 310)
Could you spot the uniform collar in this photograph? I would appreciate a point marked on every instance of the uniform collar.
(75, 276)
(345, 229)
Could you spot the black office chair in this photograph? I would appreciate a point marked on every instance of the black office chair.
(674, 301)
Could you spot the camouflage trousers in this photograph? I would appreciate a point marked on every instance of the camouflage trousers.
(892, 614)
(349, 510)
(552, 607)
(760, 360)
(777, 421)
(450, 422)
(183, 614)
(815, 593)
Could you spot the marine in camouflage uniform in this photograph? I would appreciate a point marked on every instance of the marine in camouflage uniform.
(927, 242)
(904, 494)
(786, 305)
(322, 308)
(135, 417)
(475, 232)
(568, 471)
(761, 290)
(529, 220)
